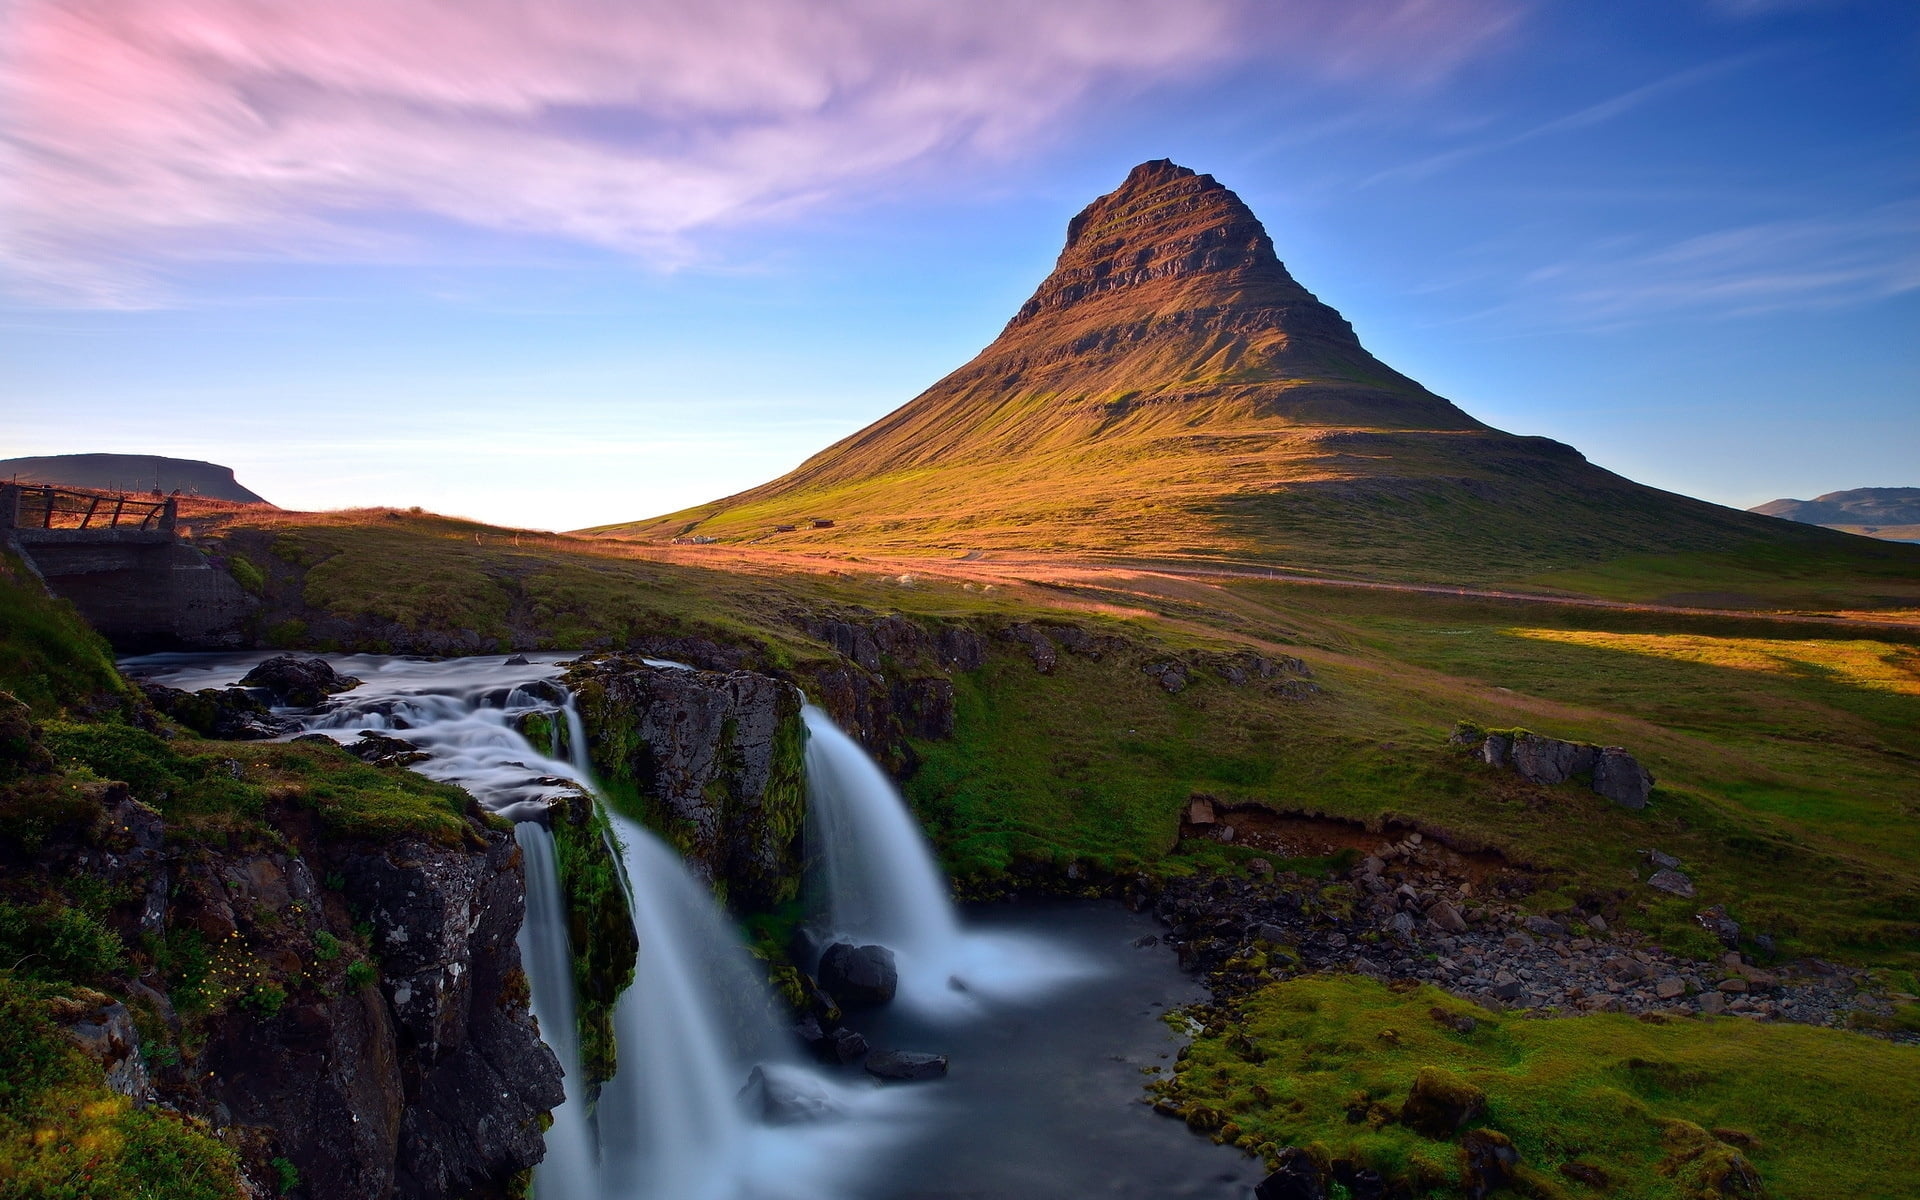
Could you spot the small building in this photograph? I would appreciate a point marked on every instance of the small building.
(784, 528)
(822, 523)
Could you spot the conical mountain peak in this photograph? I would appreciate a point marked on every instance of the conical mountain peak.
(1166, 225)
(1171, 388)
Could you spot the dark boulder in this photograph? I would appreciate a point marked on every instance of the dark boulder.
(1039, 646)
(960, 649)
(1619, 777)
(230, 714)
(1440, 1103)
(298, 682)
(859, 976)
(1297, 1176)
(1550, 760)
(1487, 1159)
(384, 750)
(906, 1065)
(846, 1047)
(1716, 922)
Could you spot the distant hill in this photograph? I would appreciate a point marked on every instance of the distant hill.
(131, 473)
(1170, 389)
(1892, 513)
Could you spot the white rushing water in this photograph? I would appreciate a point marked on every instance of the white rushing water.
(673, 1124)
(882, 885)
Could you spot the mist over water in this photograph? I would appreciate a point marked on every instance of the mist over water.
(879, 884)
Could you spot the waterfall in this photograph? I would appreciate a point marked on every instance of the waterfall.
(678, 1120)
(879, 883)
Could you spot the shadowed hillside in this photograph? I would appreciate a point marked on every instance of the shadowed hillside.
(1170, 389)
(131, 473)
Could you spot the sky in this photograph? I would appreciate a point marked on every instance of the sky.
(554, 263)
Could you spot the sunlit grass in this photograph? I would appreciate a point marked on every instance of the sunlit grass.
(1861, 663)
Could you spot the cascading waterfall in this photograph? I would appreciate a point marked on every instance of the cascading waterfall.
(676, 1122)
(882, 885)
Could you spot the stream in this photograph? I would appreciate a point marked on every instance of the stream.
(1051, 1013)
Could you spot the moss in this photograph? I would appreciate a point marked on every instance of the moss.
(65, 1136)
(247, 574)
(1630, 1099)
(49, 658)
(599, 928)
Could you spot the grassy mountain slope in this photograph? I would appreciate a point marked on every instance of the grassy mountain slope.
(1171, 390)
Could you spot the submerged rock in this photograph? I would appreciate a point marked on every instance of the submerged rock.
(859, 975)
(906, 1065)
(782, 1098)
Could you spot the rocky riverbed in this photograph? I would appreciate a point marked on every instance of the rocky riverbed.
(1413, 909)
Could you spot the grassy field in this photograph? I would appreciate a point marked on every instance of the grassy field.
(1646, 1111)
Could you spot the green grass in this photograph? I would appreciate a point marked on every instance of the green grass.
(49, 658)
(65, 1136)
(1656, 1107)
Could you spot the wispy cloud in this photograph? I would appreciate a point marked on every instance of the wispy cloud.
(1598, 113)
(134, 133)
(1814, 263)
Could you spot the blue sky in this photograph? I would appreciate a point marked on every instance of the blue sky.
(573, 262)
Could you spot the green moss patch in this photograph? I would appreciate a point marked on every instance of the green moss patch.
(1658, 1110)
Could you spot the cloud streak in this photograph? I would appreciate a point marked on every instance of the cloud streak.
(138, 133)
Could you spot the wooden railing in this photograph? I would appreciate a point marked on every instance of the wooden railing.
(34, 506)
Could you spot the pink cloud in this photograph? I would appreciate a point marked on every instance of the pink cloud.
(137, 132)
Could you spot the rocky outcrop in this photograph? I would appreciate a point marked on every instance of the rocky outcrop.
(713, 760)
(233, 714)
(354, 1010)
(1608, 770)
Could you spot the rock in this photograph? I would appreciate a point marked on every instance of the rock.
(517, 660)
(720, 756)
(1221, 833)
(808, 1030)
(1200, 811)
(960, 649)
(298, 682)
(906, 1065)
(859, 976)
(845, 1047)
(1550, 760)
(1659, 858)
(384, 750)
(1487, 1160)
(1716, 922)
(1544, 926)
(1400, 925)
(1458, 1022)
(231, 714)
(1169, 674)
(1619, 777)
(1713, 1004)
(1735, 986)
(1296, 1176)
(1040, 647)
(785, 1098)
(1672, 882)
(1495, 751)
(108, 1036)
(1446, 917)
(1670, 987)
(1440, 1103)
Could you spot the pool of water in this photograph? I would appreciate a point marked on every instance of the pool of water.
(1043, 1096)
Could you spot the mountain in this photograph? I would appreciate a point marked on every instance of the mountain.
(130, 473)
(1891, 512)
(1171, 389)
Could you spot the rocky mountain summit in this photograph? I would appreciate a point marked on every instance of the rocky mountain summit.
(1170, 387)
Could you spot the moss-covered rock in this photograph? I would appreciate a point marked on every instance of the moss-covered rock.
(714, 761)
(599, 928)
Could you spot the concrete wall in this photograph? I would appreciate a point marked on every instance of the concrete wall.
(142, 591)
